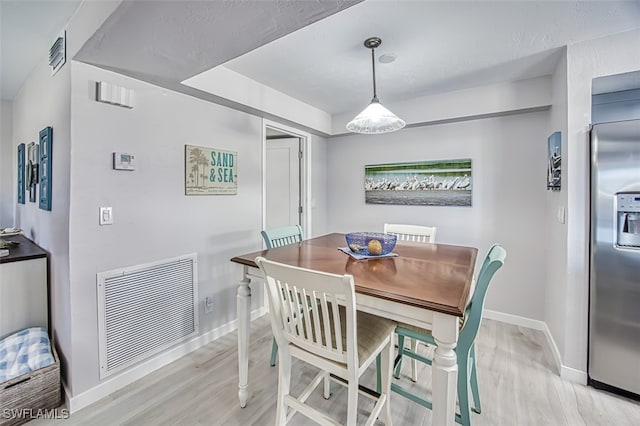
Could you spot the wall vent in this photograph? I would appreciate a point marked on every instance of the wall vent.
(58, 53)
(145, 309)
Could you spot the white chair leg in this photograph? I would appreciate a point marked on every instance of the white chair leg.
(414, 363)
(327, 385)
(352, 401)
(386, 358)
(284, 383)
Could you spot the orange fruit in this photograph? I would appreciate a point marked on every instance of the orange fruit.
(374, 247)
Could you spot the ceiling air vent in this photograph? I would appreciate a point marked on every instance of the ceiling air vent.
(57, 53)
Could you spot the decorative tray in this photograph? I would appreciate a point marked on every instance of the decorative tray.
(365, 256)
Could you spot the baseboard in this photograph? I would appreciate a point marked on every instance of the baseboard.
(572, 375)
(566, 373)
(554, 349)
(514, 319)
(77, 402)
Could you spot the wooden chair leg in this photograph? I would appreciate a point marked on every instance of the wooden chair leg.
(379, 374)
(463, 390)
(352, 400)
(327, 385)
(414, 363)
(398, 366)
(274, 353)
(386, 361)
(284, 383)
(474, 382)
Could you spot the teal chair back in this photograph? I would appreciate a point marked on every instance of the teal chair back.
(473, 312)
(278, 237)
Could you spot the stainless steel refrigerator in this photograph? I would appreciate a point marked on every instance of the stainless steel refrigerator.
(614, 297)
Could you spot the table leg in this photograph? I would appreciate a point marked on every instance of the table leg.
(244, 313)
(445, 369)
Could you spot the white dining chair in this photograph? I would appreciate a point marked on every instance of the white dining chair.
(332, 336)
(411, 234)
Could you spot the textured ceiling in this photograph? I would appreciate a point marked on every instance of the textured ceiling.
(165, 42)
(312, 50)
(440, 46)
(27, 31)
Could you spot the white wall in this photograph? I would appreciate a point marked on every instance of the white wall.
(319, 172)
(585, 61)
(8, 165)
(499, 98)
(556, 273)
(509, 163)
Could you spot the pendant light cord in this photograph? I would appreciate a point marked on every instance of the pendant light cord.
(373, 66)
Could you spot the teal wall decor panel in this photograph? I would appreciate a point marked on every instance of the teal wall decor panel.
(21, 173)
(46, 142)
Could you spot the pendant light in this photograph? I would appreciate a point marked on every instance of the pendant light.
(375, 118)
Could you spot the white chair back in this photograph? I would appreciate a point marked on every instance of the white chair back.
(305, 310)
(411, 233)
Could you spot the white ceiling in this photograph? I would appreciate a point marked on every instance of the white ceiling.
(440, 45)
(28, 28)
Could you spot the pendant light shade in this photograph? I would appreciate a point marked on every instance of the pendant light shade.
(375, 118)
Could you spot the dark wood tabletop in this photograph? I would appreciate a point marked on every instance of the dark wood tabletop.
(431, 276)
(25, 249)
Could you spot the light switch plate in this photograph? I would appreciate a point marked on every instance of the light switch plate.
(561, 214)
(106, 216)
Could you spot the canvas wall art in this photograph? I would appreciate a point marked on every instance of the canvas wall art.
(21, 165)
(210, 171)
(554, 162)
(424, 183)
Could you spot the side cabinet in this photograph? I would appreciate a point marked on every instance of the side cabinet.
(24, 295)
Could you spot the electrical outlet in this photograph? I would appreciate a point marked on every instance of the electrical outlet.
(208, 305)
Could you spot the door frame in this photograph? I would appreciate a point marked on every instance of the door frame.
(305, 172)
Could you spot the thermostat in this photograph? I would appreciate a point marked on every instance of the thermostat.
(124, 161)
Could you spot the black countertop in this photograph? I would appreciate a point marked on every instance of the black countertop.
(25, 250)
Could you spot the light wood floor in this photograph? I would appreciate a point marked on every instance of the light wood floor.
(517, 387)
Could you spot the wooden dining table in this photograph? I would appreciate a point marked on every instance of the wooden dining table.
(425, 285)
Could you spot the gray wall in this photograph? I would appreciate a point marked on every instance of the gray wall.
(509, 163)
(45, 101)
(8, 152)
(153, 219)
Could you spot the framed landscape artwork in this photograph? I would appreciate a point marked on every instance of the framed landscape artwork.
(424, 183)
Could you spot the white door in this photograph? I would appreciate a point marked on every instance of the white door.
(282, 182)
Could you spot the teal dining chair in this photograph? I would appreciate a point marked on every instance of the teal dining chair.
(465, 350)
(278, 237)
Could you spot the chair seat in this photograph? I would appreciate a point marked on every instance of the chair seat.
(371, 330)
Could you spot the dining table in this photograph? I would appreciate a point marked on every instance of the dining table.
(426, 285)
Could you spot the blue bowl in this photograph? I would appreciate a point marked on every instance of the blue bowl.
(370, 243)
